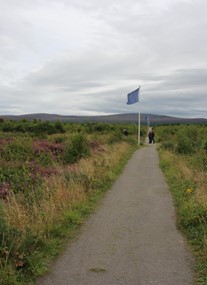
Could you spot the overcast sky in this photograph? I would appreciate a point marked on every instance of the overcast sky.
(82, 57)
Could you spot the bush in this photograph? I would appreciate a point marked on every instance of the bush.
(35, 127)
(184, 146)
(188, 140)
(99, 127)
(115, 137)
(166, 133)
(77, 148)
(7, 126)
(17, 177)
(59, 127)
(19, 149)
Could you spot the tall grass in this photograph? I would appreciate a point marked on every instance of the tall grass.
(42, 204)
(60, 192)
(183, 160)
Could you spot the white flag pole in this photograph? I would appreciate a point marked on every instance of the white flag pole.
(139, 128)
(139, 123)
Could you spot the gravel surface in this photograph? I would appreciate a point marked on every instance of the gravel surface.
(132, 238)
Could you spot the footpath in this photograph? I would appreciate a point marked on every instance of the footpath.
(132, 238)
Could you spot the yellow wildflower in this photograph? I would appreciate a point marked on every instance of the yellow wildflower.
(189, 190)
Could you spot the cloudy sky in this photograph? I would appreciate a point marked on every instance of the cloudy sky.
(82, 57)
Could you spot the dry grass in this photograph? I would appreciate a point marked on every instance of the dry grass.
(15, 213)
(201, 191)
(58, 196)
(96, 166)
(196, 176)
(41, 215)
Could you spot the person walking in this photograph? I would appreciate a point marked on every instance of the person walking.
(151, 135)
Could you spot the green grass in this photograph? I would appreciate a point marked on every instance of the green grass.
(191, 215)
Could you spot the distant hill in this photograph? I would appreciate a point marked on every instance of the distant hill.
(118, 118)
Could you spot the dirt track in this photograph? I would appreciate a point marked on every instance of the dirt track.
(132, 238)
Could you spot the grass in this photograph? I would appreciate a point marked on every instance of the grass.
(188, 184)
(38, 222)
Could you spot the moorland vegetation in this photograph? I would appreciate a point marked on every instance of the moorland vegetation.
(51, 176)
(183, 155)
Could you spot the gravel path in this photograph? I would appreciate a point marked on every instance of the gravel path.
(131, 239)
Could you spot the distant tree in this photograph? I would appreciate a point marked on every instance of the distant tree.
(59, 127)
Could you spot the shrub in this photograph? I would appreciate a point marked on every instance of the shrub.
(44, 159)
(115, 136)
(187, 140)
(35, 127)
(17, 177)
(77, 148)
(7, 126)
(99, 127)
(184, 146)
(19, 149)
(59, 127)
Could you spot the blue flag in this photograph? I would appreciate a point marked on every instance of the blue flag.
(133, 97)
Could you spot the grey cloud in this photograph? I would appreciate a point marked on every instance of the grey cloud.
(92, 67)
(95, 52)
(184, 79)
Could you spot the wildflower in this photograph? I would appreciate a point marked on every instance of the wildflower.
(189, 190)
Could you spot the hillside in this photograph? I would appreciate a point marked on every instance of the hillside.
(117, 118)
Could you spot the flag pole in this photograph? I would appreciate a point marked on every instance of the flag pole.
(139, 128)
(139, 124)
